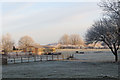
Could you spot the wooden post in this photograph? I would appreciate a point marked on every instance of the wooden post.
(41, 58)
(52, 57)
(63, 57)
(47, 57)
(28, 59)
(4, 61)
(21, 60)
(34, 58)
(14, 60)
(57, 57)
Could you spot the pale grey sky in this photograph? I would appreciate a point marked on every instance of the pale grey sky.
(46, 22)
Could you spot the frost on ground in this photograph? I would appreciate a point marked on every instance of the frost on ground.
(88, 65)
(61, 69)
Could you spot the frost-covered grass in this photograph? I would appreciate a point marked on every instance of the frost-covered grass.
(92, 64)
(83, 49)
(61, 69)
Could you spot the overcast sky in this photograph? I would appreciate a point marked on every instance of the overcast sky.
(46, 22)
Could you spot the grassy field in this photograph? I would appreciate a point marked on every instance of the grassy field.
(83, 50)
(61, 69)
(88, 65)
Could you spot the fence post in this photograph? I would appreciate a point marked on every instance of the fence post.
(21, 60)
(34, 58)
(57, 57)
(4, 61)
(63, 57)
(14, 60)
(41, 58)
(52, 57)
(47, 57)
(28, 59)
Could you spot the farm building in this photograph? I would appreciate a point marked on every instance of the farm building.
(37, 50)
(49, 49)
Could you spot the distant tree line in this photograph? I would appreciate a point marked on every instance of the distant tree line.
(8, 45)
(73, 39)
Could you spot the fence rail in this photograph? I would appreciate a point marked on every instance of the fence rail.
(36, 58)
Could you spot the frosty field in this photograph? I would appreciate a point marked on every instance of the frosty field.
(92, 64)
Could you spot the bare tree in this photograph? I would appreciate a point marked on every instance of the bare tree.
(25, 41)
(7, 43)
(112, 10)
(75, 39)
(64, 39)
(104, 31)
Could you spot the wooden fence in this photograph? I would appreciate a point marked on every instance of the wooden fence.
(37, 58)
